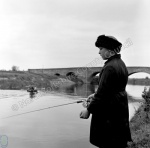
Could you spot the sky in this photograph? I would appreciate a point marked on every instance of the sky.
(62, 33)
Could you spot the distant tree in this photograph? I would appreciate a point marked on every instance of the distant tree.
(15, 68)
(3, 70)
(146, 77)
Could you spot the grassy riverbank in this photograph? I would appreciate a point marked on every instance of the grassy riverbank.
(140, 127)
(22, 79)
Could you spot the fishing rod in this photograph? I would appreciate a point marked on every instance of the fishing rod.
(80, 101)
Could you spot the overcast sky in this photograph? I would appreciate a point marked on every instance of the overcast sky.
(62, 33)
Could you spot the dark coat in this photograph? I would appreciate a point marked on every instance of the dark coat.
(109, 108)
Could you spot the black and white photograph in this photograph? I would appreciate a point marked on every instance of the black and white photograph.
(74, 74)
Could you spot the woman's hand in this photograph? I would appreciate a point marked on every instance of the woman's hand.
(84, 114)
(90, 97)
(88, 101)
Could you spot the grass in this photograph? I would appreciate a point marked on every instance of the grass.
(20, 80)
(140, 124)
(23, 79)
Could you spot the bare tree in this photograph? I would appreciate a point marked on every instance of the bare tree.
(15, 68)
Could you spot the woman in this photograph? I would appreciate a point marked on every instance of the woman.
(109, 104)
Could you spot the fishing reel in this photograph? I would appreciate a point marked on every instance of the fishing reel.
(86, 103)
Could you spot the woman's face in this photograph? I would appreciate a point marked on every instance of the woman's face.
(104, 53)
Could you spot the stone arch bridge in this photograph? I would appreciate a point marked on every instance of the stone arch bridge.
(85, 74)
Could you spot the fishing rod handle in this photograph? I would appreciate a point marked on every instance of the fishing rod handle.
(85, 103)
(80, 101)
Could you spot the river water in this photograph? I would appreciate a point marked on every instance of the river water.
(58, 127)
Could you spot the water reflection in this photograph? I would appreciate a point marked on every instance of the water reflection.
(32, 95)
(87, 89)
(77, 90)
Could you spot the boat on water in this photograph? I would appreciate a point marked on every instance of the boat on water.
(32, 90)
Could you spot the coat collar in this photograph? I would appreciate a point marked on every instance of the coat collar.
(116, 56)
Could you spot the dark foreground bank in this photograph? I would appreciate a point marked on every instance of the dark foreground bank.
(140, 125)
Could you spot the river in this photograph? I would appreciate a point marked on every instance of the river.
(58, 127)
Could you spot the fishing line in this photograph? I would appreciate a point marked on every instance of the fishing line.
(13, 96)
(44, 109)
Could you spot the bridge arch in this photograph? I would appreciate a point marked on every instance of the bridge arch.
(72, 74)
(139, 71)
(73, 77)
(93, 77)
(139, 78)
(57, 74)
(135, 71)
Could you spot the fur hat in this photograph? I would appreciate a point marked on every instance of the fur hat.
(108, 42)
